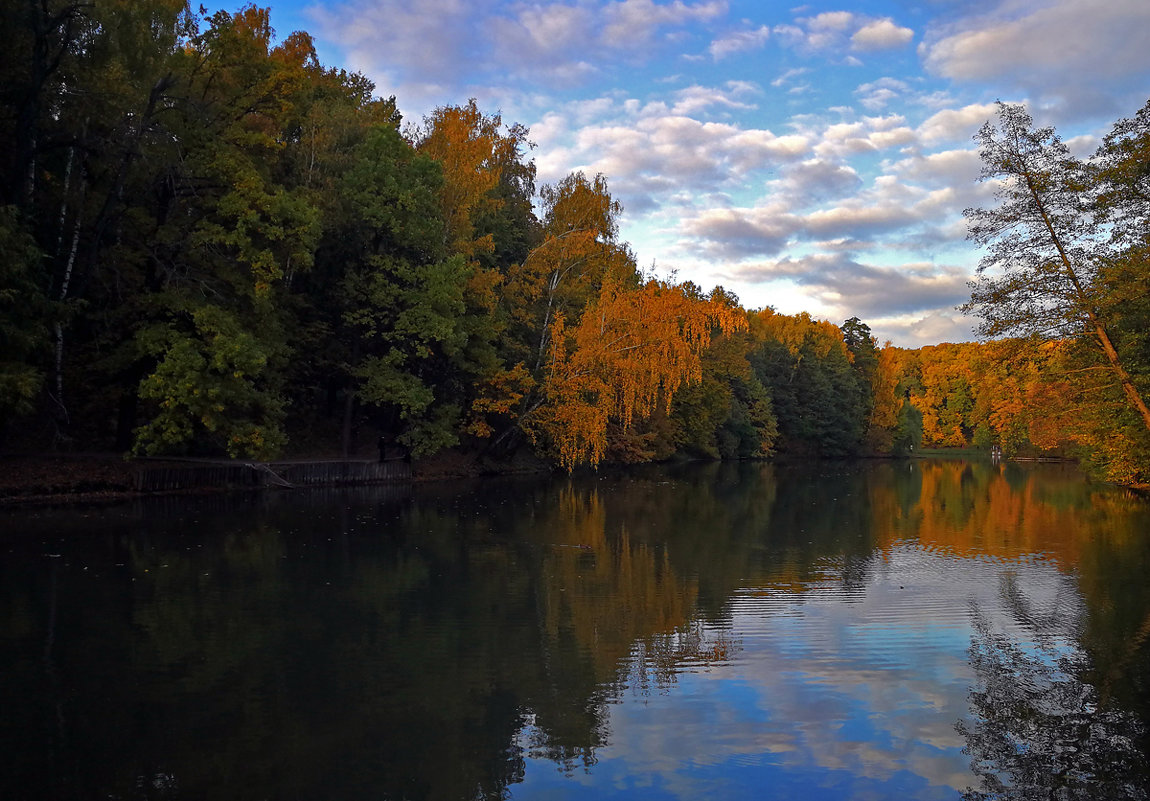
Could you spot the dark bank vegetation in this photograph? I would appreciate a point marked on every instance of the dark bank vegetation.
(214, 245)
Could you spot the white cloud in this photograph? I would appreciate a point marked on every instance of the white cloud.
(786, 77)
(870, 134)
(738, 42)
(1081, 56)
(881, 34)
(946, 168)
(950, 125)
(877, 94)
(816, 179)
(839, 31)
(630, 23)
(830, 21)
(694, 99)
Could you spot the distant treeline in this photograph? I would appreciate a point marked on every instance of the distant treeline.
(212, 244)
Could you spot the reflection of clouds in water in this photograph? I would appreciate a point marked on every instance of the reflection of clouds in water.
(854, 689)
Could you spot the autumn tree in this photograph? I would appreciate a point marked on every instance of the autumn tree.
(580, 248)
(485, 200)
(893, 424)
(944, 394)
(1045, 246)
(630, 351)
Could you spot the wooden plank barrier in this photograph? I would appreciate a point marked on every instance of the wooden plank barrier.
(245, 475)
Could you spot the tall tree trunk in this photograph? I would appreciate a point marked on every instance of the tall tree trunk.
(62, 296)
(1099, 329)
(1132, 394)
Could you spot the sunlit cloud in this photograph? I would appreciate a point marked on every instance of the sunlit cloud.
(881, 34)
(1061, 52)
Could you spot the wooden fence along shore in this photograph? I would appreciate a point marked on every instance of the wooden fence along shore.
(253, 475)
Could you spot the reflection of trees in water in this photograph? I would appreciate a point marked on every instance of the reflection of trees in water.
(657, 661)
(1039, 730)
(424, 650)
(426, 646)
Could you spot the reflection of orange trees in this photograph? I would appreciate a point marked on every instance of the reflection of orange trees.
(607, 591)
(981, 509)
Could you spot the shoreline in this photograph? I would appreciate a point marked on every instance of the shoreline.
(95, 478)
(38, 480)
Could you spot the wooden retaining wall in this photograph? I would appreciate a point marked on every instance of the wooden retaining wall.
(252, 475)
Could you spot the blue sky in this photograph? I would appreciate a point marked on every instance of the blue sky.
(810, 158)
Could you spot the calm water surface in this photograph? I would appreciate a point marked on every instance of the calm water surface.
(856, 631)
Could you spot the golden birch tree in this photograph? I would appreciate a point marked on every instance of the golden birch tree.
(629, 352)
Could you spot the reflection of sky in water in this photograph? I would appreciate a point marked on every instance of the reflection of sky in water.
(833, 693)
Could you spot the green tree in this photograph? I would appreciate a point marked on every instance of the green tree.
(864, 362)
(22, 311)
(728, 414)
(805, 366)
(403, 295)
(218, 235)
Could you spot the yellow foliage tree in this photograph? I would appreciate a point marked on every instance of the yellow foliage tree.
(630, 351)
(578, 252)
(472, 150)
(894, 364)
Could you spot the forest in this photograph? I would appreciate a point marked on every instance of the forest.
(215, 245)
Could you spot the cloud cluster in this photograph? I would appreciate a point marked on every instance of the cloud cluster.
(881, 34)
(1060, 52)
(841, 31)
(657, 149)
(846, 287)
(442, 46)
(739, 41)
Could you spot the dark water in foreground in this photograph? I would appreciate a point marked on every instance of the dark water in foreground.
(708, 632)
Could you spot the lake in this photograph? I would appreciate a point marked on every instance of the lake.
(902, 630)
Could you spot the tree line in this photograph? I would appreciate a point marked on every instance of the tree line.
(215, 245)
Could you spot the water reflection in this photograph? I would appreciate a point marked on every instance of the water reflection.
(716, 631)
(1039, 729)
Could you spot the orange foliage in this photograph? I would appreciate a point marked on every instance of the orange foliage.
(579, 251)
(797, 330)
(499, 394)
(894, 364)
(471, 149)
(631, 349)
(944, 395)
